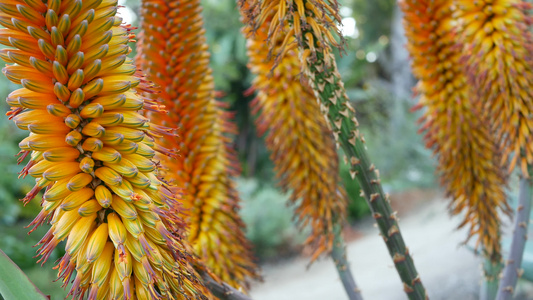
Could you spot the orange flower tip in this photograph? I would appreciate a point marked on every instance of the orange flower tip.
(31, 194)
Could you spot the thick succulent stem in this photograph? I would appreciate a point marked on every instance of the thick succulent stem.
(223, 291)
(338, 254)
(512, 270)
(490, 280)
(325, 79)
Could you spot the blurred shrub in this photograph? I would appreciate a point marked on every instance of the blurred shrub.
(11, 188)
(18, 245)
(399, 153)
(268, 219)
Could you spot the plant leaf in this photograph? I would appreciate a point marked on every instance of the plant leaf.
(14, 284)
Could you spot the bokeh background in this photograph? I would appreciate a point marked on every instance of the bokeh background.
(376, 73)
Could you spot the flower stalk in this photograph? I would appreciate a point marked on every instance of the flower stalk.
(513, 264)
(338, 254)
(491, 279)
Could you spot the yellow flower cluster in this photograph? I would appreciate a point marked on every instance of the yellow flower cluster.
(92, 152)
(498, 43)
(302, 146)
(455, 124)
(173, 51)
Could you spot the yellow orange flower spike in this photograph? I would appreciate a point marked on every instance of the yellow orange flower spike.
(173, 52)
(454, 123)
(91, 152)
(498, 44)
(319, 16)
(302, 146)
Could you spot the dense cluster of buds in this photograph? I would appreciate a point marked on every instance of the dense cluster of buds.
(497, 47)
(173, 52)
(92, 152)
(302, 145)
(455, 124)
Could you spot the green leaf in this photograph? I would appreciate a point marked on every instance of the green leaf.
(14, 284)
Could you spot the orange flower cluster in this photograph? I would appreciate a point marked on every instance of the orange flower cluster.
(302, 146)
(92, 152)
(456, 127)
(498, 44)
(174, 55)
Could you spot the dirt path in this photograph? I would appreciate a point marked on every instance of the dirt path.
(448, 270)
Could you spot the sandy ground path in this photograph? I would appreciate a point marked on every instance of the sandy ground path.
(448, 270)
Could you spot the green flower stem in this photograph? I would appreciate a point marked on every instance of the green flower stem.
(490, 280)
(338, 254)
(512, 270)
(322, 72)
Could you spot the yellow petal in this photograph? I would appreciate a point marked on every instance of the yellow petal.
(103, 196)
(79, 181)
(61, 154)
(89, 208)
(97, 242)
(124, 209)
(75, 199)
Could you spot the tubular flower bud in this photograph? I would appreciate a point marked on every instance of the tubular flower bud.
(302, 145)
(497, 45)
(70, 58)
(457, 129)
(206, 163)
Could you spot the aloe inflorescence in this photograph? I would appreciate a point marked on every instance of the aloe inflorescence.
(174, 54)
(302, 145)
(497, 47)
(457, 127)
(313, 25)
(91, 152)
